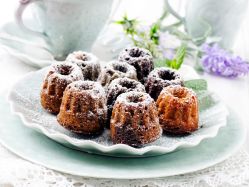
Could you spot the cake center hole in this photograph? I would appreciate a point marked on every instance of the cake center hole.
(135, 53)
(135, 98)
(128, 84)
(65, 70)
(165, 75)
(120, 68)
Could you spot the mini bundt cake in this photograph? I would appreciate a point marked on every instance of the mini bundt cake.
(160, 78)
(56, 80)
(178, 110)
(140, 58)
(135, 119)
(83, 109)
(119, 86)
(114, 70)
(88, 63)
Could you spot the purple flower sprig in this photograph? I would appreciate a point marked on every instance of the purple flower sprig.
(220, 62)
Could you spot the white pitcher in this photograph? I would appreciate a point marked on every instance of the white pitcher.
(224, 17)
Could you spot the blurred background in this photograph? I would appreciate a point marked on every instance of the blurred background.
(236, 90)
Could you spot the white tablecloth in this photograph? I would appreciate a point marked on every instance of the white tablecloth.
(234, 171)
(19, 173)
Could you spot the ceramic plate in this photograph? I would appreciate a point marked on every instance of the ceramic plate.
(25, 102)
(35, 147)
(28, 49)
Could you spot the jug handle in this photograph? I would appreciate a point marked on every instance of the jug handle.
(19, 20)
(172, 11)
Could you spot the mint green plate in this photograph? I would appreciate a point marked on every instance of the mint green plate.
(37, 148)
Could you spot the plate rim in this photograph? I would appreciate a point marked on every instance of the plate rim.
(26, 59)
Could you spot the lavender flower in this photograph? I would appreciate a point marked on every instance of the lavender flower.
(220, 62)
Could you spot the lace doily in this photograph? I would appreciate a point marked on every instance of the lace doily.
(16, 172)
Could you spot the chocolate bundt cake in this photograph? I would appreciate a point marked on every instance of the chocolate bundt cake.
(140, 58)
(114, 70)
(160, 78)
(56, 80)
(83, 109)
(119, 86)
(88, 63)
(134, 119)
(178, 110)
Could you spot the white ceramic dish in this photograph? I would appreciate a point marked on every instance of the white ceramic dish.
(25, 102)
(36, 148)
(28, 49)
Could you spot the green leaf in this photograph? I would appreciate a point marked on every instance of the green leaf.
(120, 22)
(154, 36)
(206, 99)
(180, 55)
(129, 25)
(196, 84)
(179, 58)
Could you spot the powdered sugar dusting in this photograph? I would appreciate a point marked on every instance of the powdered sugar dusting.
(25, 97)
(64, 71)
(165, 76)
(135, 54)
(81, 56)
(135, 98)
(92, 87)
(160, 78)
(89, 64)
(140, 58)
(125, 84)
(114, 70)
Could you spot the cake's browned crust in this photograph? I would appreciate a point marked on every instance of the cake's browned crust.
(178, 110)
(83, 109)
(160, 78)
(134, 119)
(114, 70)
(56, 80)
(119, 86)
(140, 58)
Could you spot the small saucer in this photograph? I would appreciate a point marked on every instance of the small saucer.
(33, 51)
(29, 50)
